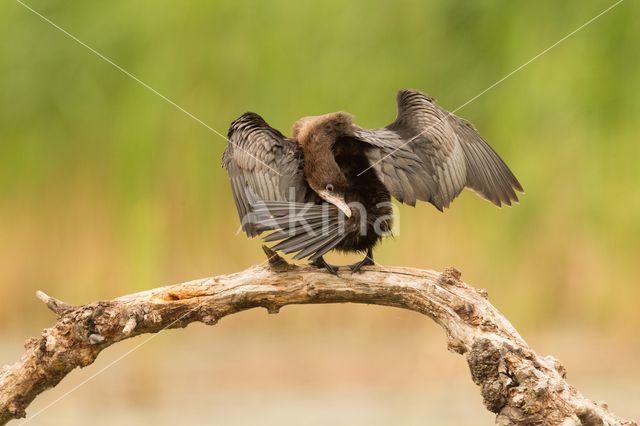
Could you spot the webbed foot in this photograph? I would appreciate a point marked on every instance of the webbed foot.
(367, 261)
(321, 263)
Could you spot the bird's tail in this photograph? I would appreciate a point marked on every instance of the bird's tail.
(307, 229)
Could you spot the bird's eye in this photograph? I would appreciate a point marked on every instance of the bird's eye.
(329, 187)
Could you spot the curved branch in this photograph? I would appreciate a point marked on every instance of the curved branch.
(518, 385)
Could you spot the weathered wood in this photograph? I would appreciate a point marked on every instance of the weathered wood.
(521, 387)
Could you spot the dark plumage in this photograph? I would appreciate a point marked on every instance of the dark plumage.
(330, 185)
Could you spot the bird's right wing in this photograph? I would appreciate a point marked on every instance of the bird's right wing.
(263, 165)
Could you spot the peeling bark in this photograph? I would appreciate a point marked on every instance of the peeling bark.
(521, 387)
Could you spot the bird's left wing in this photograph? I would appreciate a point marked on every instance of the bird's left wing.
(429, 154)
(263, 165)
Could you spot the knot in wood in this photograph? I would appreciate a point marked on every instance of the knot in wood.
(272, 308)
(17, 411)
(209, 320)
(483, 293)
(152, 318)
(311, 290)
(130, 325)
(208, 315)
(450, 276)
(50, 343)
(465, 311)
(94, 339)
(276, 262)
(484, 361)
(556, 365)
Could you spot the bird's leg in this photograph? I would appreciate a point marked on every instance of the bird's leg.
(368, 260)
(321, 263)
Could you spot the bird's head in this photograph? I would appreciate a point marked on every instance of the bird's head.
(316, 135)
(331, 125)
(331, 187)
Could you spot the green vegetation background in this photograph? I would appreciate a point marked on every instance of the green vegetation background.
(106, 189)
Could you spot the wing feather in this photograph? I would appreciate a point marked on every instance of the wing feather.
(431, 155)
(262, 165)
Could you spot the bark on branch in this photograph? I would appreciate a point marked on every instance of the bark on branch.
(521, 387)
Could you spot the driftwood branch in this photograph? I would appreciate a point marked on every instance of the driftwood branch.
(521, 387)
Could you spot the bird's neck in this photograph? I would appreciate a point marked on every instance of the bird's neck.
(319, 161)
(317, 136)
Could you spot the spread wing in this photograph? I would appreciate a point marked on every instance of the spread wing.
(263, 165)
(429, 154)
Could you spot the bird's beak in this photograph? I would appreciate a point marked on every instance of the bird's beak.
(337, 201)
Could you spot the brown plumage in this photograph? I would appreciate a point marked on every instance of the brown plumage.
(329, 186)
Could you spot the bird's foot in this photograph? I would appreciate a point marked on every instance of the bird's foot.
(321, 263)
(367, 261)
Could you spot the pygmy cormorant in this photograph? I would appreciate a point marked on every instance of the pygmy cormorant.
(330, 185)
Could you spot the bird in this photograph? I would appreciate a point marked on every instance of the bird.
(330, 185)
